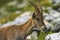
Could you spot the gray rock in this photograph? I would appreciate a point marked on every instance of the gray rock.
(32, 36)
(57, 26)
(54, 36)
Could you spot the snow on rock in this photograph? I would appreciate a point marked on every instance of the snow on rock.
(19, 20)
(54, 36)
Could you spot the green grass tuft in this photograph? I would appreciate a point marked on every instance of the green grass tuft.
(43, 35)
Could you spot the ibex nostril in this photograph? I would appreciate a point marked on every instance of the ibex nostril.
(44, 29)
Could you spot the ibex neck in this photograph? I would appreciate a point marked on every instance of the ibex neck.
(26, 28)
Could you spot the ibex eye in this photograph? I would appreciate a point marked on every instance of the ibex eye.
(37, 18)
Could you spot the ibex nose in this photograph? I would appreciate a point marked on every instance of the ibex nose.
(45, 28)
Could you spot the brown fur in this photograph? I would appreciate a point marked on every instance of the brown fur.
(19, 32)
(11, 32)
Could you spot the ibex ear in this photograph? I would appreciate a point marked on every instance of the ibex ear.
(33, 16)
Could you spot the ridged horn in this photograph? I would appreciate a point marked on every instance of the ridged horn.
(37, 7)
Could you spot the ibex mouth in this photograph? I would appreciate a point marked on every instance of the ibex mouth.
(37, 30)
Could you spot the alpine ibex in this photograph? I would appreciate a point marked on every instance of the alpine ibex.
(19, 32)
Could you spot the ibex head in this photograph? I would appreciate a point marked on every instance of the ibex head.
(38, 17)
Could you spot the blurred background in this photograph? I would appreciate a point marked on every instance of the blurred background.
(11, 9)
